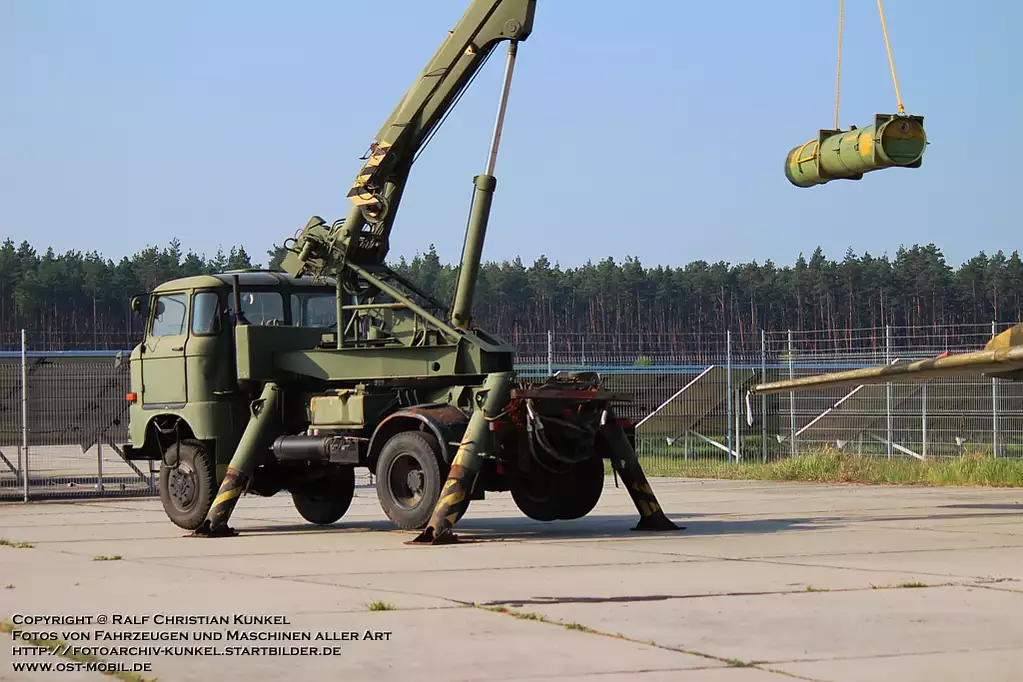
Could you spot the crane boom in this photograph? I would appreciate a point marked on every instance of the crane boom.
(362, 238)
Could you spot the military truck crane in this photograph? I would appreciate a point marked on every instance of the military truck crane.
(260, 382)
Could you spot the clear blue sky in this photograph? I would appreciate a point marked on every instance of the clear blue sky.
(654, 128)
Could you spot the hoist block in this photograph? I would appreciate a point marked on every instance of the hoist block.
(893, 140)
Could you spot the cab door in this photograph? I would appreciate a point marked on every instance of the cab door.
(209, 356)
(163, 352)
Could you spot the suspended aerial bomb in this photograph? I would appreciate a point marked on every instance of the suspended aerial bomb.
(893, 140)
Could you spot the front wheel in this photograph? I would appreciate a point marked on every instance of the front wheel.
(409, 479)
(326, 499)
(188, 488)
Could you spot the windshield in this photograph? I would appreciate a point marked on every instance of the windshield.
(314, 310)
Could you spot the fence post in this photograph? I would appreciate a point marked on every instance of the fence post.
(763, 398)
(923, 418)
(728, 364)
(792, 403)
(550, 353)
(99, 466)
(994, 402)
(888, 386)
(24, 416)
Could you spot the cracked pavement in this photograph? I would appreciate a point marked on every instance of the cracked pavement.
(769, 581)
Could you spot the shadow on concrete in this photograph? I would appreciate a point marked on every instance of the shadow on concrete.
(607, 527)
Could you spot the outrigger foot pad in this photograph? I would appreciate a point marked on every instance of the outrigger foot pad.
(430, 537)
(207, 531)
(657, 522)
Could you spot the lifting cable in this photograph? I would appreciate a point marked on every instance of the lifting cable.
(838, 75)
(891, 61)
(888, 49)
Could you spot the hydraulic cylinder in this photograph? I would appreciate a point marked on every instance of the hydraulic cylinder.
(472, 254)
(894, 140)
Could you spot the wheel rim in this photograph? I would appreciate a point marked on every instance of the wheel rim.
(406, 481)
(183, 486)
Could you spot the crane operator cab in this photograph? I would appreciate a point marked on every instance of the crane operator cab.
(185, 398)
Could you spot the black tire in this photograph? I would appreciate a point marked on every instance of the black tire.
(546, 496)
(582, 490)
(187, 490)
(327, 499)
(536, 494)
(409, 480)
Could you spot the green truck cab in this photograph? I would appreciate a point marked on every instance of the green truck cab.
(187, 408)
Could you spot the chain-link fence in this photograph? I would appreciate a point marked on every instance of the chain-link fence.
(63, 417)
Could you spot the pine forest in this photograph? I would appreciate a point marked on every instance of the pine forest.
(81, 300)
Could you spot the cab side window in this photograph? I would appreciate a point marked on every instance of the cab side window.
(170, 315)
(260, 307)
(314, 310)
(206, 313)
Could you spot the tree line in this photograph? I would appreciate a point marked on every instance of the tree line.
(81, 300)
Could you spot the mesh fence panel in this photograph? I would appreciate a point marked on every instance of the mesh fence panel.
(687, 405)
(77, 421)
(10, 427)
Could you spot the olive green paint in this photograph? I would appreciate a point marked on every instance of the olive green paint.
(892, 140)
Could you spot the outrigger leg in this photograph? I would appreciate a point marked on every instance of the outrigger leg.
(626, 465)
(454, 498)
(239, 470)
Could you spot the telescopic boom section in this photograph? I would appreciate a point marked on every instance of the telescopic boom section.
(363, 238)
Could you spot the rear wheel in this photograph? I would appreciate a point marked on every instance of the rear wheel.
(188, 488)
(582, 489)
(536, 494)
(546, 496)
(326, 499)
(409, 480)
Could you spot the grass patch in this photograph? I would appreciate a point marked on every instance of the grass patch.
(9, 586)
(736, 663)
(100, 557)
(913, 583)
(831, 466)
(17, 545)
(529, 615)
(378, 605)
(61, 647)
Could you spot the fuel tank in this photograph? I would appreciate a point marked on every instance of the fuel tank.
(893, 140)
